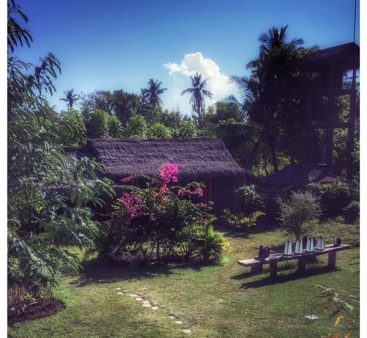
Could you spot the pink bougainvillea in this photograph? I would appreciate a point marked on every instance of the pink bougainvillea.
(163, 191)
(168, 173)
(132, 205)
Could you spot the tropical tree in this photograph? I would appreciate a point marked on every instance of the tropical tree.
(159, 130)
(98, 124)
(72, 129)
(150, 95)
(187, 129)
(49, 195)
(137, 127)
(272, 95)
(70, 98)
(115, 128)
(198, 93)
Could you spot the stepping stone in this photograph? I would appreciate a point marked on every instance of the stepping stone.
(146, 305)
(133, 295)
(146, 302)
(186, 330)
(118, 289)
(120, 293)
(172, 317)
(139, 298)
(154, 307)
(179, 322)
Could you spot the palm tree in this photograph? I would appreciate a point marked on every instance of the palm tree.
(275, 38)
(70, 98)
(198, 93)
(270, 92)
(151, 94)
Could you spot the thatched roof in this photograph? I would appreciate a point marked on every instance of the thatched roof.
(345, 56)
(298, 175)
(197, 158)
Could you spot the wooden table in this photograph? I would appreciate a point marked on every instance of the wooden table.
(257, 264)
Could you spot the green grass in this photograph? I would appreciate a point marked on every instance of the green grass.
(213, 301)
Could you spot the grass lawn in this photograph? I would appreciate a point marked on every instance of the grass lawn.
(212, 301)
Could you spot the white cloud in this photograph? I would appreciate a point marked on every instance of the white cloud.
(217, 82)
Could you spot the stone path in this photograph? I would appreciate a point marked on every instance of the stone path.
(148, 304)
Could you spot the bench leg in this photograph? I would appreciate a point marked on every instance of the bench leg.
(332, 260)
(273, 269)
(301, 265)
(256, 268)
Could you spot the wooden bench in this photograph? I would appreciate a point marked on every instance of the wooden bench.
(273, 259)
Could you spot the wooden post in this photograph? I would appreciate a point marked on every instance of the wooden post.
(301, 264)
(256, 268)
(351, 124)
(273, 269)
(332, 260)
(330, 120)
(308, 149)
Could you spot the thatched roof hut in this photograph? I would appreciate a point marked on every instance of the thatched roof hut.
(203, 159)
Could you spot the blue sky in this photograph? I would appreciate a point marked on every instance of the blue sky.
(113, 44)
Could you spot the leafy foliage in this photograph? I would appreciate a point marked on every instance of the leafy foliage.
(271, 94)
(245, 221)
(98, 124)
(72, 129)
(299, 211)
(160, 131)
(115, 128)
(187, 129)
(251, 199)
(335, 197)
(49, 196)
(351, 212)
(137, 127)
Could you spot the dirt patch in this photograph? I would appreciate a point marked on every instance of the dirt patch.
(41, 309)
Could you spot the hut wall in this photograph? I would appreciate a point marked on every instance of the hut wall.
(224, 193)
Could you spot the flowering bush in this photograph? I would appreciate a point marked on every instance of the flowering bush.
(162, 218)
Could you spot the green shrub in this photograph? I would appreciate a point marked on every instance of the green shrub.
(252, 201)
(98, 124)
(187, 129)
(245, 221)
(351, 212)
(334, 197)
(159, 130)
(300, 210)
(72, 131)
(210, 244)
(349, 233)
(115, 128)
(137, 127)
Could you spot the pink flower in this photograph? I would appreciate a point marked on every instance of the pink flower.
(168, 172)
(131, 204)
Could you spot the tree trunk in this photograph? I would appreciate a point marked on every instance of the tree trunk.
(273, 156)
(157, 254)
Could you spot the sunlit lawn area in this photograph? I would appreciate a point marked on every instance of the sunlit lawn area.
(212, 301)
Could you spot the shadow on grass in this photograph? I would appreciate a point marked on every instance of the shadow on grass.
(96, 271)
(283, 278)
(240, 232)
(282, 267)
